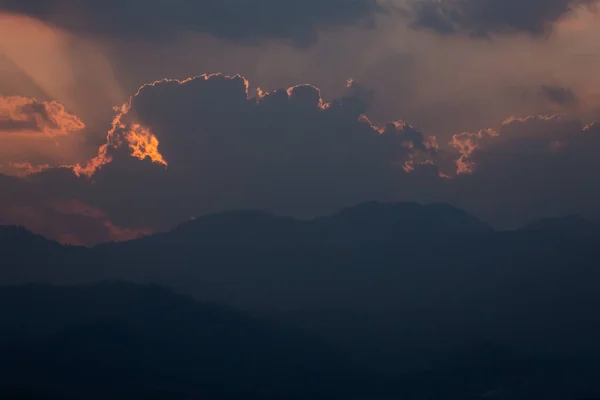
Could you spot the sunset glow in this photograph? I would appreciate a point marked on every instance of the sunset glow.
(404, 106)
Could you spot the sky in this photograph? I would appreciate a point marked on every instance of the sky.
(124, 118)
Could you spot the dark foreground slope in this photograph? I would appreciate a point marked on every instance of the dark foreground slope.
(123, 341)
(117, 340)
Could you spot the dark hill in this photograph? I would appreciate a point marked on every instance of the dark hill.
(572, 226)
(118, 340)
(26, 257)
(365, 223)
(402, 287)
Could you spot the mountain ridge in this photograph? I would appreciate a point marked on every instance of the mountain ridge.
(366, 222)
(402, 299)
(391, 218)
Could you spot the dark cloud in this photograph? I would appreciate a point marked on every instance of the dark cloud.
(216, 148)
(179, 149)
(488, 17)
(239, 20)
(559, 95)
(532, 167)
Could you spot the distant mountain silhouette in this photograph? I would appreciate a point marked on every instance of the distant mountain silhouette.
(391, 218)
(242, 228)
(16, 240)
(394, 256)
(26, 257)
(16, 235)
(368, 222)
(404, 287)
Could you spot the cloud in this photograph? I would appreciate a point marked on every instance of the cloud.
(47, 205)
(25, 116)
(182, 148)
(466, 144)
(238, 20)
(559, 96)
(178, 149)
(536, 133)
(482, 18)
(532, 167)
(36, 134)
(141, 142)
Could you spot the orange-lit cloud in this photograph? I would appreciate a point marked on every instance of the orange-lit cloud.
(521, 120)
(23, 169)
(36, 134)
(466, 143)
(88, 168)
(144, 144)
(28, 117)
